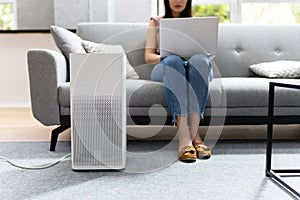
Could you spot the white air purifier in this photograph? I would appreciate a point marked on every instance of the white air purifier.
(98, 111)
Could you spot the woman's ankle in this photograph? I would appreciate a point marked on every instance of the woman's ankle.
(184, 139)
(197, 139)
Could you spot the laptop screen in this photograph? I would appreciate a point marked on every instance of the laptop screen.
(188, 36)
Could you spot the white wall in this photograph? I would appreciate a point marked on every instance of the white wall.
(35, 14)
(68, 13)
(135, 11)
(14, 82)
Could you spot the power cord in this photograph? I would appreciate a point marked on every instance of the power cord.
(35, 167)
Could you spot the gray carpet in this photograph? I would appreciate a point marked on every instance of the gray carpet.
(235, 171)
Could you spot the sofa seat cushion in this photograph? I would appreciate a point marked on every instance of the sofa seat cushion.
(145, 93)
(64, 94)
(233, 92)
(254, 92)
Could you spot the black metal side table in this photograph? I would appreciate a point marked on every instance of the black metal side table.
(275, 173)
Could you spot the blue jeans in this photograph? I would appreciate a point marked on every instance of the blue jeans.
(186, 83)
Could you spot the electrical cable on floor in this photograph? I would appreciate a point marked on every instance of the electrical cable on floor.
(35, 167)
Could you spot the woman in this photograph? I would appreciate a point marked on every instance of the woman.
(185, 84)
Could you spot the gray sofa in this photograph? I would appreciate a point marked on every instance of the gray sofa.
(237, 96)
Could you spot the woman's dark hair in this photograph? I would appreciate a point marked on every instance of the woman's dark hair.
(187, 12)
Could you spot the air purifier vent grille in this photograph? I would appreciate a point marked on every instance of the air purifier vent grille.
(98, 134)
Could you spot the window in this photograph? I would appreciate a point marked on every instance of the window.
(270, 13)
(222, 11)
(7, 17)
(220, 8)
(247, 11)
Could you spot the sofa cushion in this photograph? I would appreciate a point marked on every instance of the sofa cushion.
(243, 95)
(145, 93)
(132, 36)
(138, 93)
(64, 94)
(277, 69)
(93, 47)
(66, 41)
(254, 92)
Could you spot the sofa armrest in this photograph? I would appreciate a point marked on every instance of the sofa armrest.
(47, 70)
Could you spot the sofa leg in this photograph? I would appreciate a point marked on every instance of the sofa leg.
(55, 134)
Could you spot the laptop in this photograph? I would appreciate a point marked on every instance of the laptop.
(189, 36)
